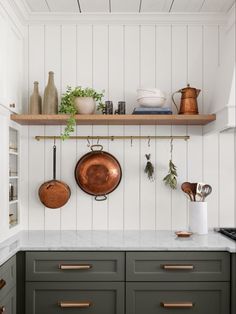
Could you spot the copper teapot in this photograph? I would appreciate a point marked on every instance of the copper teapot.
(188, 102)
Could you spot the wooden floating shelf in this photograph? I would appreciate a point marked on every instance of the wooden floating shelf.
(60, 119)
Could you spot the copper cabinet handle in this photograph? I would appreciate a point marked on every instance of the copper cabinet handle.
(75, 266)
(178, 267)
(181, 305)
(2, 309)
(2, 283)
(71, 304)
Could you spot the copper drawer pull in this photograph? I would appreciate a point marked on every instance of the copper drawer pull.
(2, 283)
(2, 309)
(178, 267)
(182, 305)
(71, 304)
(75, 266)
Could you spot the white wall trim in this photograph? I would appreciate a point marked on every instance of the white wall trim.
(126, 18)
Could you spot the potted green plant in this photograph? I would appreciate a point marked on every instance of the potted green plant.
(79, 101)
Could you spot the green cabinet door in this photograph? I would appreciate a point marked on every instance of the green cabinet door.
(233, 284)
(7, 277)
(177, 298)
(8, 303)
(178, 266)
(74, 298)
(75, 266)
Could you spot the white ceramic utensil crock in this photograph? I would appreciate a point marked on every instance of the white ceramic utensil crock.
(198, 217)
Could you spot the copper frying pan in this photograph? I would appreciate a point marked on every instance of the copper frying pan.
(98, 173)
(54, 193)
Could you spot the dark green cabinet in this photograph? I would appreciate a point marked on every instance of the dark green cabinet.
(8, 303)
(73, 297)
(177, 266)
(177, 297)
(75, 266)
(119, 283)
(233, 284)
(7, 277)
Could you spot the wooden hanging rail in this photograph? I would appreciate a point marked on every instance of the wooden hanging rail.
(116, 137)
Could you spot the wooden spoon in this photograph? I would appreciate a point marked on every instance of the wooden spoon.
(187, 189)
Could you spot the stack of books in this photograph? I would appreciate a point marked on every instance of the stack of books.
(152, 110)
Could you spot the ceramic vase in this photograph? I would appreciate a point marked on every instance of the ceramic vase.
(198, 217)
(85, 105)
(35, 106)
(50, 99)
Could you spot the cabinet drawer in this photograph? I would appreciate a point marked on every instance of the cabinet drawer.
(178, 266)
(7, 277)
(64, 297)
(164, 298)
(8, 303)
(75, 266)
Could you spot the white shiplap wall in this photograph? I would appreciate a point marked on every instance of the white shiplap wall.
(119, 58)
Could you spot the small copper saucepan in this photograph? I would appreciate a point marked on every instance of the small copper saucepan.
(98, 173)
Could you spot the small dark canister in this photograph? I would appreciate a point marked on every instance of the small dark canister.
(121, 108)
(108, 107)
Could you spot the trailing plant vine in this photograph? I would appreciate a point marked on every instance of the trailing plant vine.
(67, 105)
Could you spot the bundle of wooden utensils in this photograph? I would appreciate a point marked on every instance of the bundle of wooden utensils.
(196, 192)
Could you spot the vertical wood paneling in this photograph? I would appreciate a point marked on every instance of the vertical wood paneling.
(179, 78)
(116, 63)
(211, 175)
(84, 55)
(84, 204)
(147, 187)
(53, 51)
(36, 219)
(119, 59)
(147, 56)
(68, 148)
(132, 65)
(52, 217)
(163, 193)
(36, 57)
(36, 61)
(147, 79)
(131, 185)
(194, 77)
(116, 199)
(211, 59)
(116, 93)
(226, 175)
(163, 61)
(100, 58)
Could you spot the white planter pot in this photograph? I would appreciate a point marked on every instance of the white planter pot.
(85, 105)
(198, 217)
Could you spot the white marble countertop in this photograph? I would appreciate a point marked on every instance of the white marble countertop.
(112, 241)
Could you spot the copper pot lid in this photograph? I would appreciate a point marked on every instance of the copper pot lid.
(98, 173)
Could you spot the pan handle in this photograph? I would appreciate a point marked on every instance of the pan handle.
(54, 161)
(100, 198)
(96, 145)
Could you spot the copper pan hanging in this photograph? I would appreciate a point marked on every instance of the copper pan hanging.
(98, 173)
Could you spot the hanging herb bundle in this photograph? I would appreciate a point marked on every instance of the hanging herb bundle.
(171, 178)
(149, 169)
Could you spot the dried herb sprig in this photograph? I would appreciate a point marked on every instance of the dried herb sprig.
(149, 169)
(171, 178)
